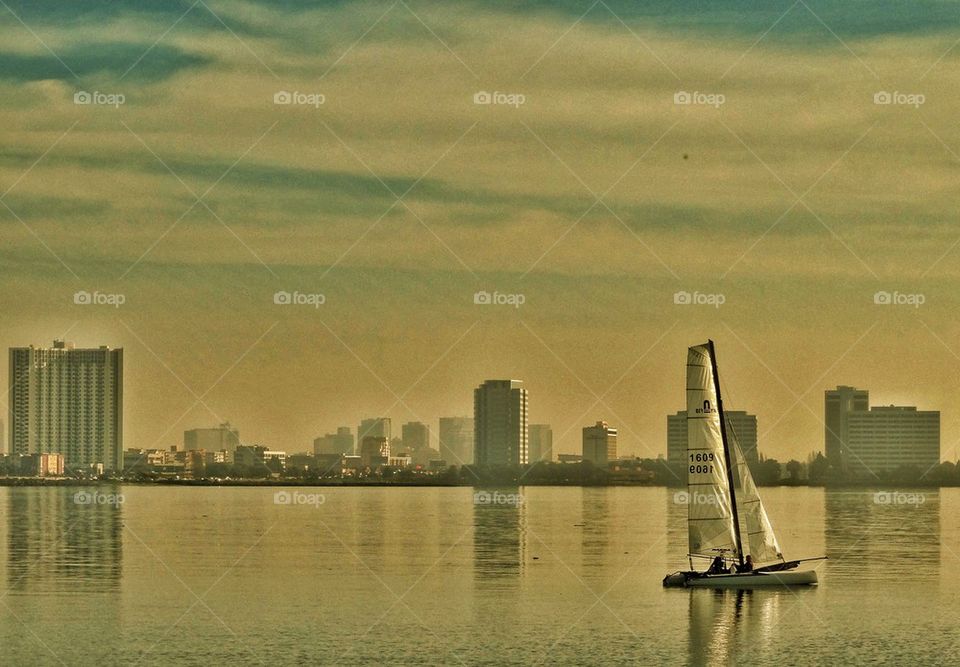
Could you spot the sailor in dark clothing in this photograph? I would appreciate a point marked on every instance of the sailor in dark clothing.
(747, 565)
(717, 566)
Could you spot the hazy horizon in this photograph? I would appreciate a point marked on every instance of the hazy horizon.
(797, 199)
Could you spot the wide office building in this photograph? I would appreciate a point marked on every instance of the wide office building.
(500, 423)
(68, 400)
(886, 438)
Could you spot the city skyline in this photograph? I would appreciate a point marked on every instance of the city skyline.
(424, 439)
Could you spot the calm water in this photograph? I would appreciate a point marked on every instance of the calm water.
(210, 576)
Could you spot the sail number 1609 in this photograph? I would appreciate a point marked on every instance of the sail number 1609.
(701, 462)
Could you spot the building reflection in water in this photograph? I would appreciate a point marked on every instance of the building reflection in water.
(595, 531)
(370, 523)
(59, 543)
(874, 534)
(499, 561)
(677, 533)
(499, 540)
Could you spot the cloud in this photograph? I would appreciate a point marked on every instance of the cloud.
(96, 60)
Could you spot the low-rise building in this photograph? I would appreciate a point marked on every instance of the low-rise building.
(400, 461)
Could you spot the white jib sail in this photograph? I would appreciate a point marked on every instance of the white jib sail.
(761, 540)
(709, 511)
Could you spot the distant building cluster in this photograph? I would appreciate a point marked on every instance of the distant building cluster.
(861, 443)
(32, 465)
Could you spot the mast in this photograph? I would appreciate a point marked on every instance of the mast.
(726, 452)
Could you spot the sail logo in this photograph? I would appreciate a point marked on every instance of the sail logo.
(705, 410)
(884, 298)
(684, 298)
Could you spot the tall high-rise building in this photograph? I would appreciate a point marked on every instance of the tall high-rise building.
(456, 440)
(416, 436)
(375, 427)
(599, 443)
(340, 442)
(69, 401)
(741, 426)
(374, 450)
(838, 405)
(500, 423)
(540, 442)
(888, 437)
(223, 437)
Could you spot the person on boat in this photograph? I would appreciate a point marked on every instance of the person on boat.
(747, 565)
(717, 566)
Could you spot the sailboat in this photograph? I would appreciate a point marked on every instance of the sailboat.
(720, 489)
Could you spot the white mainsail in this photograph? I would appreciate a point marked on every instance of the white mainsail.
(761, 540)
(709, 510)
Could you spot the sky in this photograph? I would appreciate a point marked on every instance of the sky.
(814, 167)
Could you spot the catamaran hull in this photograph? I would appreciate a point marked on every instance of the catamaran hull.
(744, 580)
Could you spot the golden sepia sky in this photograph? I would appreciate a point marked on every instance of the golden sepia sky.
(397, 198)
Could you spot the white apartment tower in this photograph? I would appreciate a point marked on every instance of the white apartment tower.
(69, 401)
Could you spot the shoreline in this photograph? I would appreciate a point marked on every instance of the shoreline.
(69, 482)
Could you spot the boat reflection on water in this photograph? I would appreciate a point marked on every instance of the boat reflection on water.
(725, 625)
(63, 540)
